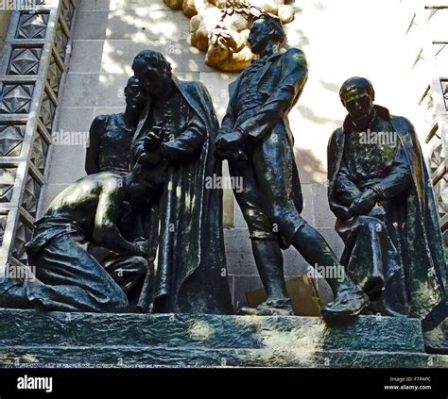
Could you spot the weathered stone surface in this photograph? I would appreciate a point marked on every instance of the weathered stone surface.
(55, 339)
(131, 357)
(183, 58)
(324, 218)
(91, 25)
(84, 56)
(28, 328)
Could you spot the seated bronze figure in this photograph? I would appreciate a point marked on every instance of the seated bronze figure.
(381, 193)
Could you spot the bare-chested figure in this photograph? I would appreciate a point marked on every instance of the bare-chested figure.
(88, 211)
(110, 136)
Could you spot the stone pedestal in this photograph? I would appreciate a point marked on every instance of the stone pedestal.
(30, 339)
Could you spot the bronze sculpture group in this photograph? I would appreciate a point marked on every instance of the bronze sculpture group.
(142, 232)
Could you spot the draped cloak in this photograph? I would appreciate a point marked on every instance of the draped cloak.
(187, 230)
(419, 239)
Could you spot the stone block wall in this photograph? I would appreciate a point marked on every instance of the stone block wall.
(4, 21)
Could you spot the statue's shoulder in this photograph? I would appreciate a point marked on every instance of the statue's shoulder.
(100, 121)
(294, 52)
(194, 88)
(99, 125)
(336, 135)
(294, 55)
(335, 142)
(192, 85)
(404, 127)
(402, 122)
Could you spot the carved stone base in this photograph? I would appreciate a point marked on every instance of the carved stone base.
(31, 339)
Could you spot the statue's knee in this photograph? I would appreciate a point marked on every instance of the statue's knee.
(306, 232)
(114, 299)
(254, 217)
(259, 224)
(117, 301)
(280, 213)
(276, 213)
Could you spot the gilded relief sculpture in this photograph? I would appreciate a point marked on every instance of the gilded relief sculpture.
(220, 28)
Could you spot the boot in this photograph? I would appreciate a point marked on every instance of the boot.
(350, 300)
(269, 260)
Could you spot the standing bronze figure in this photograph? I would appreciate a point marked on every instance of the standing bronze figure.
(190, 265)
(256, 139)
(381, 193)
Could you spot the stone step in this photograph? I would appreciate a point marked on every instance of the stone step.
(36, 339)
(150, 357)
(25, 328)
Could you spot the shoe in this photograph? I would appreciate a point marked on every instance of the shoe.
(349, 302)
(276, 307)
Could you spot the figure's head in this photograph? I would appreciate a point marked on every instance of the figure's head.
(153, 71)
(357, 96)
(134, 95)
(266, 29)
